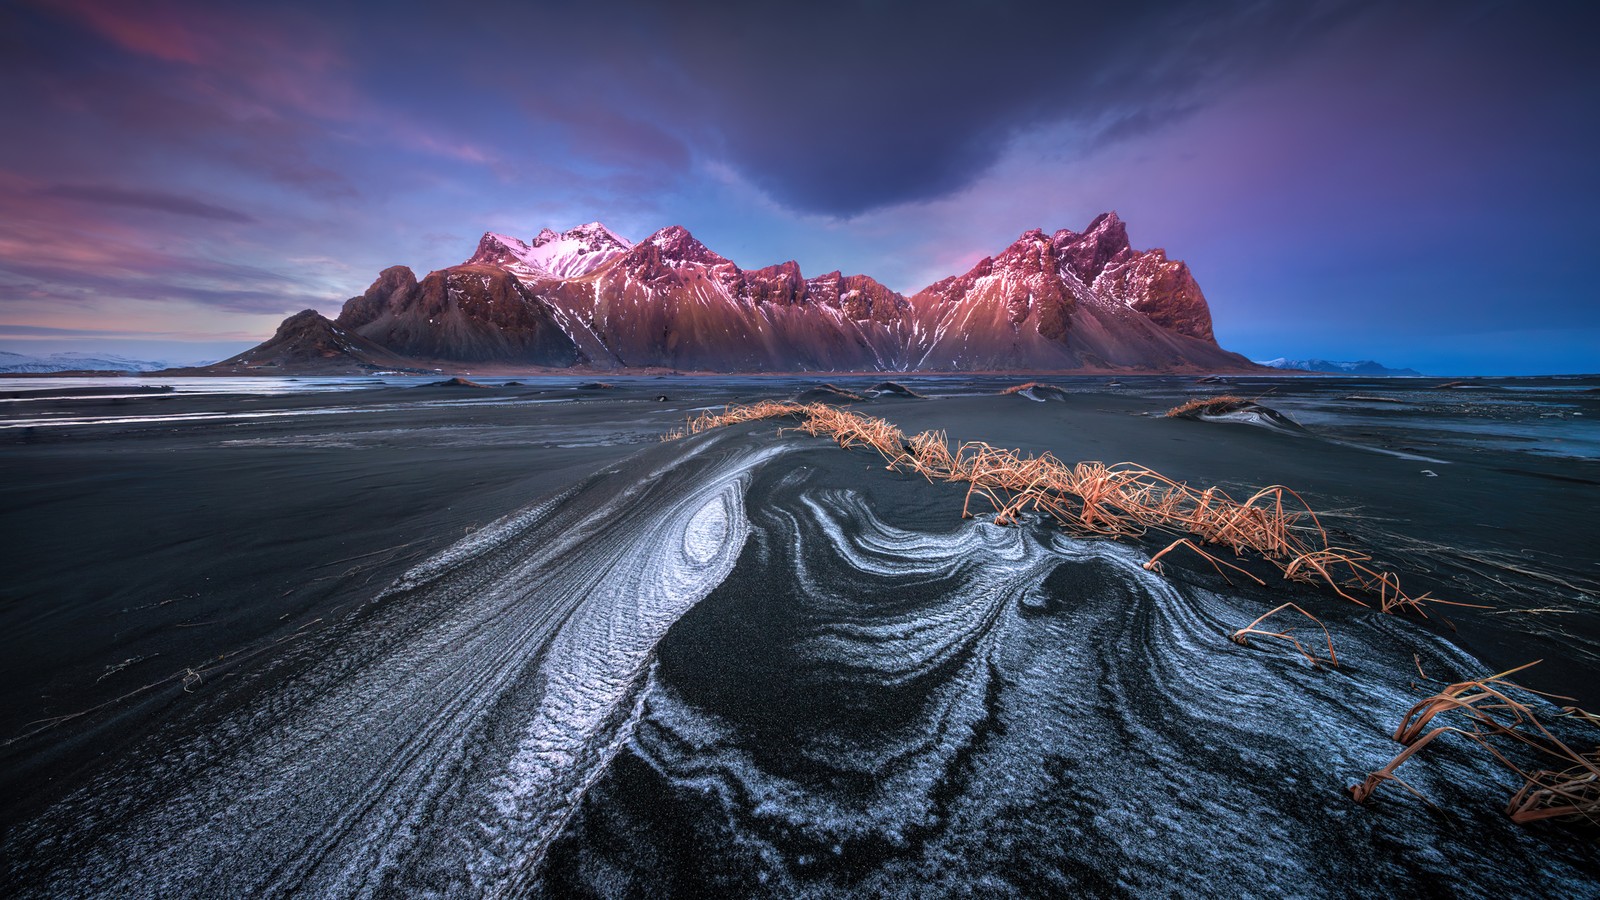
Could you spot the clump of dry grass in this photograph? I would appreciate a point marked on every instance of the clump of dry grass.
(1019, 388)
(1209, 406)
(1242, 636)
(1486, 713)
(1036, 390)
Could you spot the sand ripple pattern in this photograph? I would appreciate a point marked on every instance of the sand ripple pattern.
(434, 743)
(877, 705)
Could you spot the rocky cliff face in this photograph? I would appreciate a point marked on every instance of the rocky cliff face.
(1069, 300)
(673, 302)
(466, 313)
(308, 343)
(1060, 301)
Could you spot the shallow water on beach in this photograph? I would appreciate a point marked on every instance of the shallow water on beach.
(1551, 416)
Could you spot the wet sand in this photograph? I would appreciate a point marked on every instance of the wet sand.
(195, 573)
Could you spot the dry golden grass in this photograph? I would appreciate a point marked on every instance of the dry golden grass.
(1488, 714)
(1210, 406)
(1019, 388)
(1242, 636)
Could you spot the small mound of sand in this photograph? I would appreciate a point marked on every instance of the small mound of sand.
(1209, 406)
(1229, 408)
(457, 382)
(828, 393)
(1040, 393)
(897, 390)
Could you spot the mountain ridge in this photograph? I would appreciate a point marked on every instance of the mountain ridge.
(1336, 367)
(12, 363)
(589, 298)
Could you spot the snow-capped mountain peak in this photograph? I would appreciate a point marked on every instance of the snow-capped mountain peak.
(597, 235)
(568, 254)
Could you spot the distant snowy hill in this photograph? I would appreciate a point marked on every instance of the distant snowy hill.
(21, 364)
(1359, 367)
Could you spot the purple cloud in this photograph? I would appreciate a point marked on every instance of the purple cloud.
(107, 195)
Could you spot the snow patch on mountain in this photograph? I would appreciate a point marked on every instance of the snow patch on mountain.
(568, 254)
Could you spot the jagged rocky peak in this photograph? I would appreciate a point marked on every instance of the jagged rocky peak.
(596, 236)
(1102, 258)
(309, 343)
(860, 297)
(1032, 253)
(393, 278)
(676, 244)
(392, 287)
(1105, 240)
(1163, 289)
(306, 320)
(781, 284)
(469, 313)
(498, 249)
(568, 254)
(592, 235)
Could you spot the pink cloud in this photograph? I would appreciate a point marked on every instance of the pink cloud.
(254, 63)
(158, 30)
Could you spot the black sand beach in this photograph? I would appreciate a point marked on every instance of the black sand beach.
(259, 643)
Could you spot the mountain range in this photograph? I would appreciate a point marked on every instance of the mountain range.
(1336, 367)
(590, 298)
(28, 364)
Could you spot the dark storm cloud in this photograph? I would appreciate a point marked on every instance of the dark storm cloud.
(606, 135)
(844, 107)
(159, 201)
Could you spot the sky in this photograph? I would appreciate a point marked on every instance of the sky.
(1412, 182)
